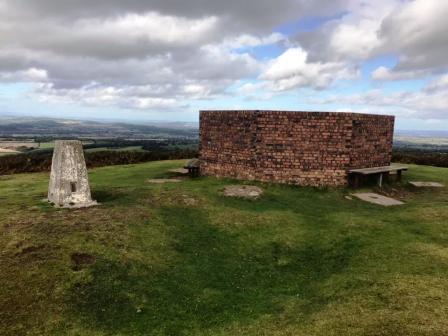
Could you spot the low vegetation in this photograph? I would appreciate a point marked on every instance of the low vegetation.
(41, 162)
(182, 259)
(422, 157)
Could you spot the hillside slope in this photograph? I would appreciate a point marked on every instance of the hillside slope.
(181, 259)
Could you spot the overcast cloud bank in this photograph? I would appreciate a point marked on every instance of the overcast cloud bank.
(169, 55)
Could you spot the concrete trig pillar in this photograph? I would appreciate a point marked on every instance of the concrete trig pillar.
(69, 182)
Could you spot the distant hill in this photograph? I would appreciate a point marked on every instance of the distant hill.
(421, 140)
(422, 134)
(35, 127)
(32, 127)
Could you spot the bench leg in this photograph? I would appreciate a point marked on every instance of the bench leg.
(380, 180)
(356, 182)
(398, 175)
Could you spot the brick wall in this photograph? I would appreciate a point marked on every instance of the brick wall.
(304, 148)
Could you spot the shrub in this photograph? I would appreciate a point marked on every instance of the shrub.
(437, 159)
(39, 162)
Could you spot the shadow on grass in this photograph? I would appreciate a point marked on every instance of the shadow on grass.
(112, 196)
(305, 201)
(218, 279)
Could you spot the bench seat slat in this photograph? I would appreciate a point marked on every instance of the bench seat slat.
(376, 170)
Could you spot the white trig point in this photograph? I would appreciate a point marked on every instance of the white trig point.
(69, 182)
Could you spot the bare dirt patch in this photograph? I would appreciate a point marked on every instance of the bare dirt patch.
(243, 191)
(81, 260)
(397, 192)
(32, 249)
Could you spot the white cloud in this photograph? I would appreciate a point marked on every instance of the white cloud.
(143, 47)
(196, 91)
(246, 40)
(438, 84)
(356, 36)
(153, 103)
(126, 36)
(28, 75)
(355, 40)
(292, 69)
(417, 31)
(430, 102)
(352, 37)
(92, 95)
(249, 89)
(383, 73)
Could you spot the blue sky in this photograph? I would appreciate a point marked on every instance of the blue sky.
(91, 60)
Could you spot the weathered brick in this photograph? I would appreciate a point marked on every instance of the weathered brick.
(304, 148)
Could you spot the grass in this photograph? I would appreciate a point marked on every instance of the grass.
(180, 259)
(46, 145)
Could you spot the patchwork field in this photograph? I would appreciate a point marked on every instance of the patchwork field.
(182, 259)
(6, 151)
(14, 147)
(18, 144)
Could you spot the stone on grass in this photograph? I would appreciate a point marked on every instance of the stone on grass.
(162, 181)
(377, 199)
(180, 171)
(420, 184)
(244, 191)
(190, 201)
(69, 182)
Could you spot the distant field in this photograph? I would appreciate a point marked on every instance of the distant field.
(18, 144)
(423, 140)
(4, 151)
(181, 259)
(9, 147)
(46, 145)
(7, 151)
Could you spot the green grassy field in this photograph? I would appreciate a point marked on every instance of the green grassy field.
(181, 259)
(46, 145)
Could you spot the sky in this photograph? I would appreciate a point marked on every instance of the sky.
(142, 60)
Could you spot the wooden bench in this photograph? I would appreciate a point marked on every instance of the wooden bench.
(193, 167)
(355, 175)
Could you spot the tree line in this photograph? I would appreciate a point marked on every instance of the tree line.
(420, 157)
(41, 162)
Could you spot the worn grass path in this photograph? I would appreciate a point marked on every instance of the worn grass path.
(180, 259)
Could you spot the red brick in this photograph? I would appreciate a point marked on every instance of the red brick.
(304, 148)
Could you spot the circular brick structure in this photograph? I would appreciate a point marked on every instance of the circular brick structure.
(303, 148)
